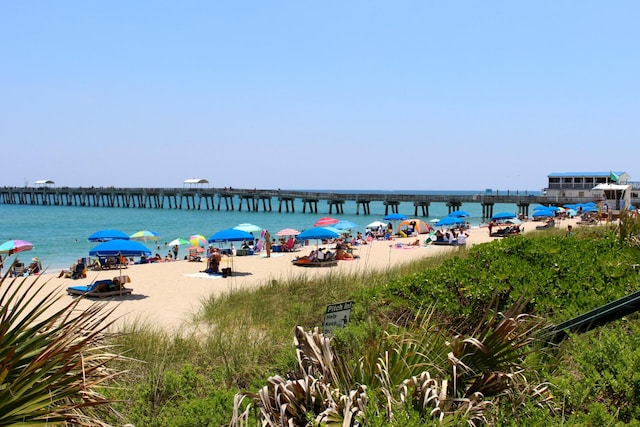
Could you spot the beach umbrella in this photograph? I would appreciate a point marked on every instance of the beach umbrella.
(11, 247)
(547, 208)
(324, 221)
(145, 235)
(249, 228)
(318, 233)
(542, 213)
(503, 215)
(197, 240)
(376, 224)
(107, 235)
(449, 220)
(179, 241)
(119, 247)
(460, 214)
(230, 235)
(337, 230)
(394, 217)
(287, 232)
(344, 225)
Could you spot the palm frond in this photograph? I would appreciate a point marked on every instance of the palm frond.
(51, 359)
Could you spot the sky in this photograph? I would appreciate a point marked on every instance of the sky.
(379, 95)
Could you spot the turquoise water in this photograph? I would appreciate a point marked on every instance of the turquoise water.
(59, 233)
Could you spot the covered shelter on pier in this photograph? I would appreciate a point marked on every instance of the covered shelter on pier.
(196, 182)
(44, 183)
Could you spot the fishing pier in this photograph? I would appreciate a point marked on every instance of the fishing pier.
(256, 200)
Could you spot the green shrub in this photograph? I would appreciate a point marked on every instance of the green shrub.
(603, 368)
(245, 336)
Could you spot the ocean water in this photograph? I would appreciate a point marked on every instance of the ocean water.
(59, 233)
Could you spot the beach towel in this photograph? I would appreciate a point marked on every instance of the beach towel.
(204, 276)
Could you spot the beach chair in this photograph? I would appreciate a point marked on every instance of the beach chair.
(18, 269)
(290, 245)
(103, 288)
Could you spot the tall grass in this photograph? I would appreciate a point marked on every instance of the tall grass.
(242, 338)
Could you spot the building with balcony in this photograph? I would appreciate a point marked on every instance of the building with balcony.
(613, 189)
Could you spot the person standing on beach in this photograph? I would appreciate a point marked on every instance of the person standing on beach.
(267, 242)
(175, 252)
(569, 231)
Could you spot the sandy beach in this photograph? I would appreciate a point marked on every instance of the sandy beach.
(167, 294)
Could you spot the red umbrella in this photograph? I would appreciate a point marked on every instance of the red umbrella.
(324, 221)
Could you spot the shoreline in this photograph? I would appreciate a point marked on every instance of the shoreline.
(167, 294)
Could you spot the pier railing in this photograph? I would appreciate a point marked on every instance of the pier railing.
(260, 199)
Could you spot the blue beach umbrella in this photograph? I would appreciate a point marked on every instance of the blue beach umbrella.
(570, 212)
(394, 217)
(230, 235)
(543, 213)
(336, 230)
(318, 233)
(449, 220)
(118, 247)
(107, 235)
(344, 225)
(459, 214)
(249, 228)
(546, 208)
(503, 215)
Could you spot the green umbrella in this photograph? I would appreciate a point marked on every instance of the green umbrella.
(179, 241)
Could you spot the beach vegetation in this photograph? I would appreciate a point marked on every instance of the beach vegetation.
(54, 362)
(422, 339)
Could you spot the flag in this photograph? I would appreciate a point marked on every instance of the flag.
(613, 177)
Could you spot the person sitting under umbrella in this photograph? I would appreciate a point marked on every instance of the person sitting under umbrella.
(213, 264)
(34, 268)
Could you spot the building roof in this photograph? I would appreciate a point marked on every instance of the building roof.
(597, 174)
(196, 181)
(611, 187)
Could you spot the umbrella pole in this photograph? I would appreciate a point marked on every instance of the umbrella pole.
(120, 271)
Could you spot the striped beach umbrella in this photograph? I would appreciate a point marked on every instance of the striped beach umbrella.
(287, 232)
(198, 240)
(13, 246)
(145, 235)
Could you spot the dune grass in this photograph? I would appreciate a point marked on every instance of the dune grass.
(241, 339)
